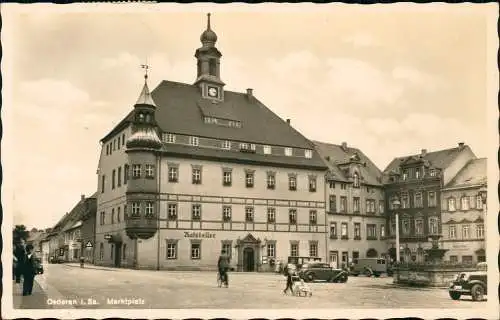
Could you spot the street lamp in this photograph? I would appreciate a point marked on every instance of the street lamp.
(396, 204)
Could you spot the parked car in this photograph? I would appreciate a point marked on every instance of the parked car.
(38, 266)
(474, 284)
(322, 271)
(369, 267)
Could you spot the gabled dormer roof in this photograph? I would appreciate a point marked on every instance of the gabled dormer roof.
(336, 157)
(440, 159)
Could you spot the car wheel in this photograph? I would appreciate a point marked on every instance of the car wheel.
(477, 292)
(310, 277)
(376, 275)
(368, 273)
(455, 295)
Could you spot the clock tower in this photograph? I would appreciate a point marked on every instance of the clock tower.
(208, 59)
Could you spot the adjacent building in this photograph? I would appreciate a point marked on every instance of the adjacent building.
(416, 182)
(355, 205)
(68, 240)
(194, 169)
(463, 214)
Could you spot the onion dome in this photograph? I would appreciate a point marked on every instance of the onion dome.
(144, 138)
(208, 37)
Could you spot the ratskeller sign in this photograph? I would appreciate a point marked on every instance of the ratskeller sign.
(193, 234)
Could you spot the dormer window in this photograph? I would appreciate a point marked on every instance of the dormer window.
(194, 141)
(356, 180)
(405, 175)
(141, 117)
(148, 117)
(432, 172)
(226, 145)
(417, 173)
(308, 154)
(267, 149)
(169, 138)
(288, 152)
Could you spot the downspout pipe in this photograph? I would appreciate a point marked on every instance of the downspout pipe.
(158, 177)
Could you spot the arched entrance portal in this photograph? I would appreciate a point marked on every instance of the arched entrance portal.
(248, 250)
(248, 259)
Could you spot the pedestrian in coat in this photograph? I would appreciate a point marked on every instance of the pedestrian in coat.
(289, 283)
(29, 271)
(19, 255)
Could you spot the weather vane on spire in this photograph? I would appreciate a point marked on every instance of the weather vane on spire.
(146, 67)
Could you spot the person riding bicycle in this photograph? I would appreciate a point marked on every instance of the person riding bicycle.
(223, 266)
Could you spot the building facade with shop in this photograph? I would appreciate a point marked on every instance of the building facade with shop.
(463, 214)
(416, 183)
(194, 169)
(355, 205)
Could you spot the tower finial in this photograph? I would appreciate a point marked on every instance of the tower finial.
(208, 21)
(146, 67)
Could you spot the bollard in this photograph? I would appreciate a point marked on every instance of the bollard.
(82, 260)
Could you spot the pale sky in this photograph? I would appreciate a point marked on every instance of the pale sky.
(388, 82)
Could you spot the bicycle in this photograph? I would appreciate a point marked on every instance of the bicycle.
(220, 281)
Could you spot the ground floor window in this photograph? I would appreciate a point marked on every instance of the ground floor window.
(171, 250)
(124, 252)
(271, 250)
(75, 254)
(227, 248)
(112, 251)
(294, 249)
(345, 256)
(195, 250)
(313, 249)
(467, 259)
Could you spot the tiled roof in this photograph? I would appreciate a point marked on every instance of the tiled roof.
(333, 154)
(438, 159)
(473, 173)
(71, 217)
(181, 110)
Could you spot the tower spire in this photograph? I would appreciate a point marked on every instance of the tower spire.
(208, 21)
(145, 96)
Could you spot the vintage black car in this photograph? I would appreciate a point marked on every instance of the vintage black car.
(472, 284)
(322, 271)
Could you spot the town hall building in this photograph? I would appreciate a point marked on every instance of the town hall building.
(195, 169)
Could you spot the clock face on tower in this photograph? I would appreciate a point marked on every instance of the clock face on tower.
(213, 92)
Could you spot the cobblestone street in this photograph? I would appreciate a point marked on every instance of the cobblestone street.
(103, 288)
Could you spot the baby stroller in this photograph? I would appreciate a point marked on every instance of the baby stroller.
(299, 287)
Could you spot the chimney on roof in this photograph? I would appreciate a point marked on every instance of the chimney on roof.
(461, 145)
(327, 158)
(288, 121)
(344, 146)
(83, 197)
(424, 152)
(249, 93)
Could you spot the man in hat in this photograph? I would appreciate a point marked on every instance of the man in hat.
(29, 270)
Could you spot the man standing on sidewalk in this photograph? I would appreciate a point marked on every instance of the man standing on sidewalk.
(19, 255)
(29, 271)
